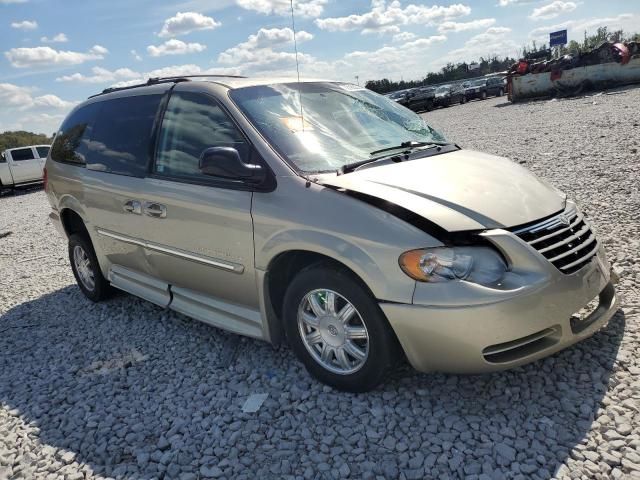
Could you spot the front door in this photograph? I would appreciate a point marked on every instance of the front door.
(25, 165)
(198, 228)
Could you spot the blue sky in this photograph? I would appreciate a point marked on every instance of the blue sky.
(56, 53)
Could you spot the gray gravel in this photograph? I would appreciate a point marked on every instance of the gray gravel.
(125, 389)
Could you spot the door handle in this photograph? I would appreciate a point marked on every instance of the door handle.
(132, 206)
(155, 210)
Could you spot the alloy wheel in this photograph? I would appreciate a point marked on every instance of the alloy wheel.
(333, 331)
(83, 267)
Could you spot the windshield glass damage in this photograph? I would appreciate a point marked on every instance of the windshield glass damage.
(320, 127)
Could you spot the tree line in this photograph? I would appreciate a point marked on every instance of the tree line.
(22, 139)
(451, 72)
(460, 71)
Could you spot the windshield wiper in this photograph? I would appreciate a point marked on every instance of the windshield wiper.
(405, 146)
(408, 146)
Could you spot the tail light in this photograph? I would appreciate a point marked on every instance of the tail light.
(45, 178)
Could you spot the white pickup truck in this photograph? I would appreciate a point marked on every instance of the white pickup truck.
(22, 166)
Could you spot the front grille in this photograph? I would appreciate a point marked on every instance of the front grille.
(566, 240)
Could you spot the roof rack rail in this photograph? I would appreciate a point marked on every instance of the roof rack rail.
(158, 80)
(201, 75)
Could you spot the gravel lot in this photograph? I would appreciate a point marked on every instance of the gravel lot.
(125, 389)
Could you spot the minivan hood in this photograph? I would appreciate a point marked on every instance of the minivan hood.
(461, 190)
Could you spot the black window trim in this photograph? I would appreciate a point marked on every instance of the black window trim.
(33, 153)
(267, 186)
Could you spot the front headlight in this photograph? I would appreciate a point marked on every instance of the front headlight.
(481, 265)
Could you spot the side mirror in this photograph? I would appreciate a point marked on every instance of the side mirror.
(225, 162)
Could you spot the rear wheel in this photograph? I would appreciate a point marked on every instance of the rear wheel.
(337, 329)
(87, 270)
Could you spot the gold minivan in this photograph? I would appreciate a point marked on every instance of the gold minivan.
(327, 215)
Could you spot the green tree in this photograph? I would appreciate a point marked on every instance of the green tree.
(22, 139)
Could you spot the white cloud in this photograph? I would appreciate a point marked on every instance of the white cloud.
(136, 56)
(59, 38)
(576, 28)
(506, 3)
(384, 17)
(14, 96)
(404, 37)
(98, 50)
(47, 56)
(8, 2)
(175, 47)
(407, 58)
(52, 101)
(186, 22)
(494, 41)
(304, 8)
(100, 75)
(455, 27)
(258, 49)
(25, 25)
(552, 10)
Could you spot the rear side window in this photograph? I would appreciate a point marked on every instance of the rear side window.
(192, 123)
(22, 154)
(70, 144)
(43, 151)
(121, 137)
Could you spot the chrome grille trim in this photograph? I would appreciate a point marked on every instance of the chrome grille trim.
(584, 230)
(580, 260)
(575, 222)
(549, 222)
(590, 240)
(566, 240)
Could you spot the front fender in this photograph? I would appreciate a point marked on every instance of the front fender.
(352, 256)
(317, 219)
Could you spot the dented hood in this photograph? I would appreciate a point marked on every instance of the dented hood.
(461, 190)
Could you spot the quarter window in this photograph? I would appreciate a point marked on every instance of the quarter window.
(121, 137)
(70, 144)
(22, 154)
(192, 123)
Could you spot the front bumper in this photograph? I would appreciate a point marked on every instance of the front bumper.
(467, 328)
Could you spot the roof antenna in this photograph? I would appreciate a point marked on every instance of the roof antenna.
(295, 42)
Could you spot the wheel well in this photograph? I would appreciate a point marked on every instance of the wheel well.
(73, 223)
(280, 273)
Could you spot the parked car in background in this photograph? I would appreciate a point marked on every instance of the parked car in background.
(447, 95)
(403, 97)
(423, 99)
(327, 215)
(485, 87)
(22, 166)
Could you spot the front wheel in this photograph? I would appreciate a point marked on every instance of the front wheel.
(337, 329)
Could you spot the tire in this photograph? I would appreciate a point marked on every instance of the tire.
(377, 355)
(81, 251)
